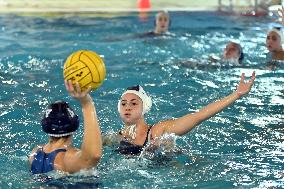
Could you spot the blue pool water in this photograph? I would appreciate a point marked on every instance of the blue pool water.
(242, 147)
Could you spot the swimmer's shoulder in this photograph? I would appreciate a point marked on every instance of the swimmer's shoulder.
(214, 58)
(147, 34)
(159, 128)
(279, 56)
(154, 34)
(70, 155)
(70, 151)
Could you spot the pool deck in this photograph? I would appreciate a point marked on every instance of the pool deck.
(89, 6)
(104, 7)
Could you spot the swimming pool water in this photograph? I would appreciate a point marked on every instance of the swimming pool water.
(241, 147)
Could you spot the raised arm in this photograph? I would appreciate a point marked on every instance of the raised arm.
(91, 148)
(184, 124)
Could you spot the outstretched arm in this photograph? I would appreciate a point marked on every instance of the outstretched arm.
(91, 148)
(184, 124)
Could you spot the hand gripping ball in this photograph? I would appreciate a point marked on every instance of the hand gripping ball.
(85, 67)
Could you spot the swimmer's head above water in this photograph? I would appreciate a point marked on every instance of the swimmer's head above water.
(274, 40)
(59, 120)
(162, 22)
(133, 104)
(233, 51)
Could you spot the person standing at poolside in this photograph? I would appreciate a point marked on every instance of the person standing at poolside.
(136, 133)
(60, 122)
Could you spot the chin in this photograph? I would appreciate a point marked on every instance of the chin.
(128, 122)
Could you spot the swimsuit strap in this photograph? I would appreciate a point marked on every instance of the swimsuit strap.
(148, 137)
(59, 150)
(53, 153)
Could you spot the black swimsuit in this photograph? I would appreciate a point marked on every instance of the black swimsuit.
(128, 148)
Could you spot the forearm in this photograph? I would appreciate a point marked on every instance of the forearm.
(216, 107)
(92, 143)
(186, 123)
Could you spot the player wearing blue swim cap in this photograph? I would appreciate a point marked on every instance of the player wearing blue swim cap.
(60, 122)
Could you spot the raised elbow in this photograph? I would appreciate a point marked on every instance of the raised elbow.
(93, 158)
(96, 156)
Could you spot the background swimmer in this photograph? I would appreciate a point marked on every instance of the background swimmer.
(274, 40)
(136, 133)
(232, 56)
(60, 122)
(233, 51)
(162, 23)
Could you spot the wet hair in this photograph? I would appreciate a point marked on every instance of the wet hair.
(59, 120)
(242, 55)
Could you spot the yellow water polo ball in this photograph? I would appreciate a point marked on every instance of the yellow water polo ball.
(85, 67)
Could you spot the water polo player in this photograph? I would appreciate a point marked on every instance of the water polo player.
(60, 122)
(233, 51)
(162, 23)
(274, 40)
(136, 133)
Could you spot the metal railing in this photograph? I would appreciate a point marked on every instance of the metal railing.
(251, 5)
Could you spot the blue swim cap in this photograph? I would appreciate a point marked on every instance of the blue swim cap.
(59, 120)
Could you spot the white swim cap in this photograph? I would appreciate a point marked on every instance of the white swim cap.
(139, 91)
(279, 33)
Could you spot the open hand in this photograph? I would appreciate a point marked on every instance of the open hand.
(244, 87)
